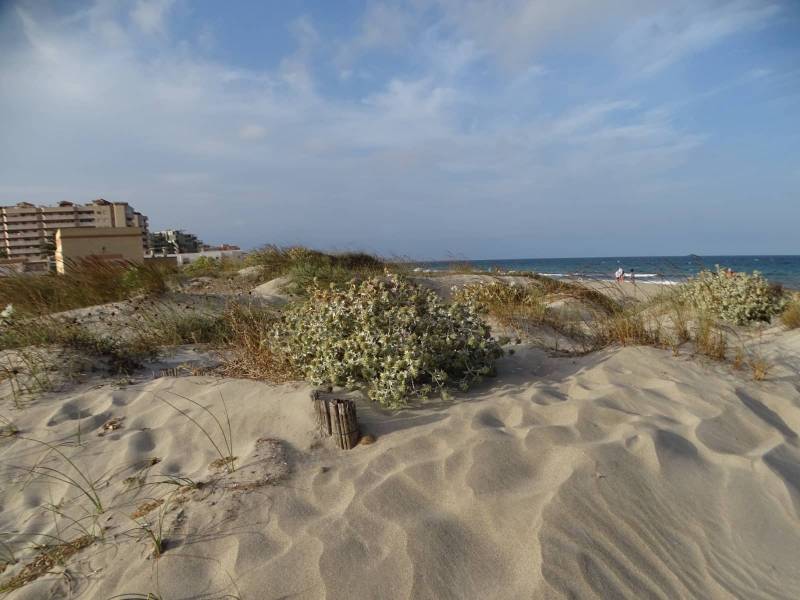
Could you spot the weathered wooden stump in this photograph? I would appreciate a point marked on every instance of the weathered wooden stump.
(336, 418)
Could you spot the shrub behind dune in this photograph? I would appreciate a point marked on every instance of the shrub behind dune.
(389, 336)
(739, 298)
(790, 317)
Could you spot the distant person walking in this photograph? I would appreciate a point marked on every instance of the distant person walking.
(620, 275)
(633, 277)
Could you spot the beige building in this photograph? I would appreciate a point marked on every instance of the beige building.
(106, 244)
(27, 228)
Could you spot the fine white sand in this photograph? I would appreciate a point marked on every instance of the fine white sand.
(628, 473)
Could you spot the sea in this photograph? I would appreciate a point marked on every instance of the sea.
(665, 270)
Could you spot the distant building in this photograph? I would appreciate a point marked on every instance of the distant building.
(28, 230)
(174, 241)
(102, 244)
(220, 247)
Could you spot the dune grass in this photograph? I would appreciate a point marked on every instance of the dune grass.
(206, 266)
(68, 472)
(665, 320)
(86, 284)
(224, 447)
(306, 268)
(790, 317)
(249, 350)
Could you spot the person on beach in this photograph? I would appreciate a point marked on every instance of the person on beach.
(633, 277)
(620, 275)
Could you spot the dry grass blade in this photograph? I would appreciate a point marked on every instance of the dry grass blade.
(249, 352)
(228, 460)
(80, 482)
(87, 284)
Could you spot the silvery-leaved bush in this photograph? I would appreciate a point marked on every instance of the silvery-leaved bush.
(738, 298)
(390, 336)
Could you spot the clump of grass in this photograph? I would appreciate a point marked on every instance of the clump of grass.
(710, 339)
(628, 328)
(28, 372)
(759, 368)
(172, 325)
(249, 350)
(790, 317)
(519, 307)
(307, 268)
(86, 284)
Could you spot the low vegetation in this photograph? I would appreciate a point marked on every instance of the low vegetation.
(790, 317)
(87, 284)
(389, 335)
(249, 347)
(307, 269)
(206, 266)
(737, 298)
(669, 320)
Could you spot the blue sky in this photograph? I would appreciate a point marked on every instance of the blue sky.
(426, 128)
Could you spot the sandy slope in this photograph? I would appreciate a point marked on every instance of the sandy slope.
(630, 473)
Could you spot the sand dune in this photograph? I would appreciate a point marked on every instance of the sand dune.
(630, 473)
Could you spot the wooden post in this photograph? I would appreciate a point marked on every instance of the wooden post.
(336, 418)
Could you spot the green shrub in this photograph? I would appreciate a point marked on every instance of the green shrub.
(395, 337)
(308, 268)
(738, 298)
(204, 266)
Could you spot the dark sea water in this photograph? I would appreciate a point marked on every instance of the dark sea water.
(649, 269)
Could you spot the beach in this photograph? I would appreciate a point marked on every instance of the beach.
(625, 473)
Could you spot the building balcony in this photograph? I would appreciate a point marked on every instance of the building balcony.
(13, 221)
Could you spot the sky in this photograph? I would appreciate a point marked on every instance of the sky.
(424, 129)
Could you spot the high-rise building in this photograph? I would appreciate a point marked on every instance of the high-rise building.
(174, 241)
(28, 230)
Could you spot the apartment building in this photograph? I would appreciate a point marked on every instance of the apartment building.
(174, 241)
(28, 230)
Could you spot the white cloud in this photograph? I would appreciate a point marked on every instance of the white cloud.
(648, 35)
(179, 130)
(150, 16)
(252, 131)
(656, 41)
(383, 26)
